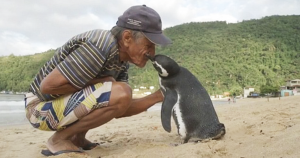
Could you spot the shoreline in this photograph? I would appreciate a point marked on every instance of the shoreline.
(12, 97)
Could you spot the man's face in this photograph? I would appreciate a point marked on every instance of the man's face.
(138, 49)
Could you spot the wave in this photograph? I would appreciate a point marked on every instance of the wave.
(12, 103)
(12, 111)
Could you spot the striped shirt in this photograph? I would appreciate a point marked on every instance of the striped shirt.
(93, 54)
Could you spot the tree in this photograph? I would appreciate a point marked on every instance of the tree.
(268, 89)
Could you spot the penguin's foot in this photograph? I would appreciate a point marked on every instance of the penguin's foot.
(203, 140)
(221, 133)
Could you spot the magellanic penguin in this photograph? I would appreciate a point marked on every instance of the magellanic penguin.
(187, 101)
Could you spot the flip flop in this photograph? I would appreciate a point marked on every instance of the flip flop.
(49, 153)
(90, 146)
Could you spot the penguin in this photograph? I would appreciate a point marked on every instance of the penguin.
(187, 101)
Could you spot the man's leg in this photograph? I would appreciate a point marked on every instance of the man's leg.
(119, 102)
(137, 106)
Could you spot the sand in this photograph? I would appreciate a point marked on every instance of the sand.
(255, 128)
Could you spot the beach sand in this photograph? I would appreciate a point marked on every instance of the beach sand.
(255, 128)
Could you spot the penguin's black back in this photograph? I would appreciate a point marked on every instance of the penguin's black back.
(195, 104)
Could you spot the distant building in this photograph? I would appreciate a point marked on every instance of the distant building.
(247, 91)
(226, 94)
(142, 87)
(147, 93)
(293, 83)
(6, 92)
(292, 88)
(286, 92)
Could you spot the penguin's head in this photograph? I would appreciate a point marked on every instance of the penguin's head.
(165, 66)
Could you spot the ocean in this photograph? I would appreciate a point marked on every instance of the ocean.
(12, 109)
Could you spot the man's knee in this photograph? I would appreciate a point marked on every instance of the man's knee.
(121, 94)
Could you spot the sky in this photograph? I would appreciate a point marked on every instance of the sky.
(35, 26)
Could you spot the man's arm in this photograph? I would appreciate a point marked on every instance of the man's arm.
(142, 104)
(56, 83)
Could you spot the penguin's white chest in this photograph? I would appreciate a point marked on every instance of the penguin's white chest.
(161, 86)
(181, 126)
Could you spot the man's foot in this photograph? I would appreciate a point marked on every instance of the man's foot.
(83, 143)
(56, 145)
(90, 146)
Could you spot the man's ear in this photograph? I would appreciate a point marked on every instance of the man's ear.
(127, 38)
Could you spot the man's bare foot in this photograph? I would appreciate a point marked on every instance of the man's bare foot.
(82, 142)
(55, 145)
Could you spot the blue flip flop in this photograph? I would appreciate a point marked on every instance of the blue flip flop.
(49, 153)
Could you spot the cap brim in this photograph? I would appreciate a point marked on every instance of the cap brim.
(158, 39)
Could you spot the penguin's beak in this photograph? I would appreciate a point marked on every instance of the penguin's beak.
(149, 56)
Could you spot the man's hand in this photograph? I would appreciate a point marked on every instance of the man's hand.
(158, 94)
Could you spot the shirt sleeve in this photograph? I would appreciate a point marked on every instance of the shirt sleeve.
(83, 64)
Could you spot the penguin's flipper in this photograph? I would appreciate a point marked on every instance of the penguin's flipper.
(166, 109)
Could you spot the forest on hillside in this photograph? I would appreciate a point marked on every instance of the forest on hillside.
(225, 57)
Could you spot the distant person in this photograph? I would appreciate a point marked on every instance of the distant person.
(85, 84)
(229, 100)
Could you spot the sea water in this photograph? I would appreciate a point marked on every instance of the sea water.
(12, 110)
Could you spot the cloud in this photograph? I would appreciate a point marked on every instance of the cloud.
(20, 43)
(28, 27)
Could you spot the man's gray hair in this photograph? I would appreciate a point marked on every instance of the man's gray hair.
(118, 31)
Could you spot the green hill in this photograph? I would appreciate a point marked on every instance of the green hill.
(224, 57)
(228, 57)
(17, 72)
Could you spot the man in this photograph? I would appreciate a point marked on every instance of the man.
(84, 85)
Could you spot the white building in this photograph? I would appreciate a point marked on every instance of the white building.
(247, 91)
